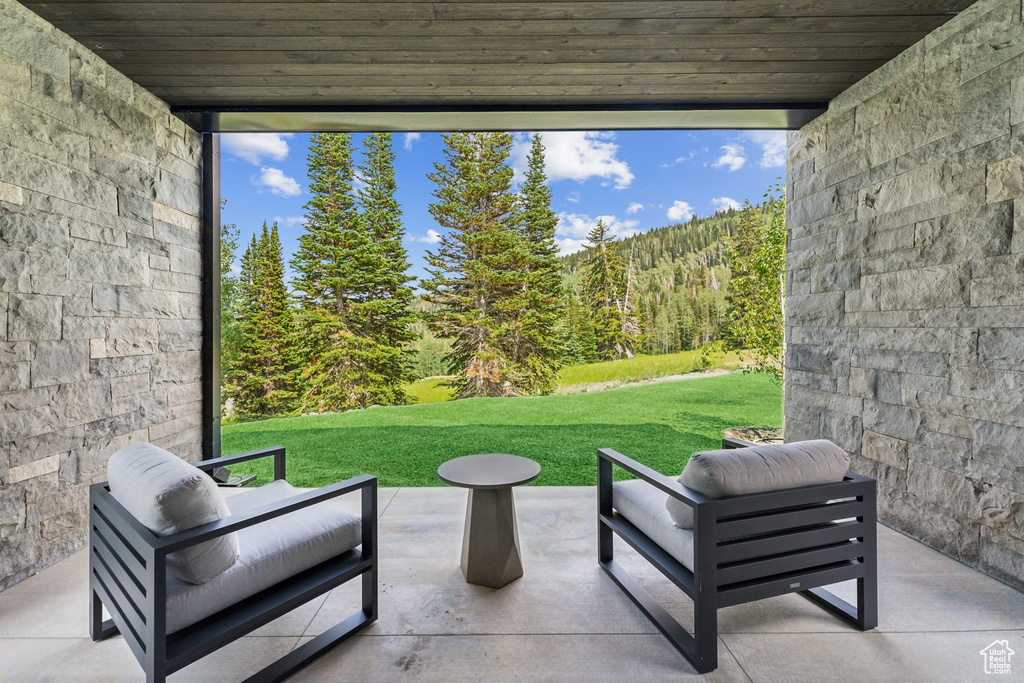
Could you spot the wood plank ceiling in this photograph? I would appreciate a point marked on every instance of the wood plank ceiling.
(386, 54)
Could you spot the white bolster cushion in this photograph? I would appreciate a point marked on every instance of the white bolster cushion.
(734, 472)
(167, 495)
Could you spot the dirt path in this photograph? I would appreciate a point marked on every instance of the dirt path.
(617, 384)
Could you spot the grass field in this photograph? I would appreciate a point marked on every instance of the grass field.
(643, 367)
(658, 424)
(573, 377)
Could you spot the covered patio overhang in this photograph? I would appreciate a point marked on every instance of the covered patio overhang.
(905, 312)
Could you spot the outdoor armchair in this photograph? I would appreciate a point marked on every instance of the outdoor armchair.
(740, 548)
(179, 595)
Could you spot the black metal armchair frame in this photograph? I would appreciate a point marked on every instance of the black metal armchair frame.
(747, 548)
(128, 574)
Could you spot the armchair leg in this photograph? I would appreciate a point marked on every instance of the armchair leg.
(98, 627)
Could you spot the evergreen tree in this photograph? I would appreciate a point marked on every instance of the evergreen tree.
(384, 313)
(535, 346)
(605, 284)
(261, 380)
(478, 272)
(335, 255)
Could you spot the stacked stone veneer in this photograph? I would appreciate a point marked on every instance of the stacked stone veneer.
(905, 275)
(99, 284)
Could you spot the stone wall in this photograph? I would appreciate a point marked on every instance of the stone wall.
(905, 275)
(99, 284)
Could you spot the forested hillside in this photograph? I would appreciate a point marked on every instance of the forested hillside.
(681, 279)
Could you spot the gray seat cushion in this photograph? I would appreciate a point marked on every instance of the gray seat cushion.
(644, 506)
(757, 469)
(168, 495)
(269, 552)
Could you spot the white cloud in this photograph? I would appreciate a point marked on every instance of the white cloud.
(567, 245)
(723, 203)
(432, 237)
(573, 197)
(679, 160)
(573, 228)
(410, 139)
(635, 207)
(254, 147)
(277, 182)
(773, 146)
(680, 211)
(732, 158)
(576, 155)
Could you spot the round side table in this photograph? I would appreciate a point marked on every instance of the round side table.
(490, 543)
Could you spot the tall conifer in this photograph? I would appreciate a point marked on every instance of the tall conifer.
(332, 263)
(536, 346)
(385, 316)
(261, 380)
(605, 285)
(477, 272)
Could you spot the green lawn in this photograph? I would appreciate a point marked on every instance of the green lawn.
(643, 367)
(658, 424)
(636, 369)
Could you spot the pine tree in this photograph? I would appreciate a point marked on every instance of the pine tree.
(478, 271)
(334, 258)
(605, 284)
(535, 347)
(261, 380)
(384, 312)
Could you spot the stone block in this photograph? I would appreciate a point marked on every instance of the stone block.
(836, 277)
(1004, 179)
(98, 233)
(825, 360)
(37, 468)
(1001, 348)
(129, 385)
(823, 309)
(1002, 556)
(12, 510)
(132, 337)
(116, 425)
(148, 245)
(922, 288)
(878, 385)
(108, 265)
(84, 401)
(931, 524)
(60, 362)
(11, 194)
(919, 363)
(15, 376)
(182, 195)
(119, 367)
(180, 335)
(188, 261)
(35, 46)
(843, 429)
(1002, 386)
(62, 439)
(896, 421)
(33, 317)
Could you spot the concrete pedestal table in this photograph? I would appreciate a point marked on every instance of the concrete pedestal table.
(490, 545)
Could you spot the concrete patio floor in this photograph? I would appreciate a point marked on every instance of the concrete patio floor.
(563, 621)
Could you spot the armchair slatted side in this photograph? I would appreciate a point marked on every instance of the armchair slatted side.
(128, 575)
(747, 548)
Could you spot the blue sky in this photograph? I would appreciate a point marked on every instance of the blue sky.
(634, 180)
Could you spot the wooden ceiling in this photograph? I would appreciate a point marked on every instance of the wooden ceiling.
(218, 55)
